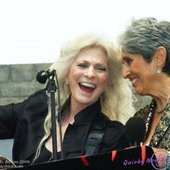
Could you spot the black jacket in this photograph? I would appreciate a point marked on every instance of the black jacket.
(24, 122)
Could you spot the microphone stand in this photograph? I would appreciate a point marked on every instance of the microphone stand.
(51, 88)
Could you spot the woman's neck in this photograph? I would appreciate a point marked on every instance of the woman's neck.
(71, 111)
(76, 107)
(161, 94)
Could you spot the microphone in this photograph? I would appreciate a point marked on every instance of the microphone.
(42, 76)
(135, 129)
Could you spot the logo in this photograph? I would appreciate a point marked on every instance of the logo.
(159, 160)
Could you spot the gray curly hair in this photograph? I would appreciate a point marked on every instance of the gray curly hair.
(144, 36)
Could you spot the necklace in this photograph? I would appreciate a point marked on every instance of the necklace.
(162, 111)
(151, 111)
(152, 108)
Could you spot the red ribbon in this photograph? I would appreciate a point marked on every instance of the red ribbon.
(84, 160)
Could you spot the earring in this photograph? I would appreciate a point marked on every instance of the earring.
(158, 71)
(66, 82)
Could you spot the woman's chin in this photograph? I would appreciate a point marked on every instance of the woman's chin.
(139, 92)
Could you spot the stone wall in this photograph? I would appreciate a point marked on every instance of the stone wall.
(19, 81)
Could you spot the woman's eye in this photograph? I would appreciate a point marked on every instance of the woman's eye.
(101, 68)
(82, 65)
(127, 61)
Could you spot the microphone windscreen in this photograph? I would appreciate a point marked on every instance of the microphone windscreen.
(41, 77)
(135, 129)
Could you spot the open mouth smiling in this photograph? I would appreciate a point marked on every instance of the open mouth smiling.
(87, 87)
(133, 80)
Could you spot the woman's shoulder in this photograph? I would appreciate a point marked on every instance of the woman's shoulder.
(36, 97)
(113, 128)
(113, 136)
(108, 124)
(39, 93)
(110, 127)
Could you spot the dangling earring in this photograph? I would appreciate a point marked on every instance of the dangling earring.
(66, 82)
(158, 71)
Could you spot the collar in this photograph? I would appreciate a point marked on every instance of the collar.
(85, 115)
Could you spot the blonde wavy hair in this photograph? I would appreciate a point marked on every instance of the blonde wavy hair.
(116, 100)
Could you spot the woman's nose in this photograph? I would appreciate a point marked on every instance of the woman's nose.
(125, 72)
(90, 72)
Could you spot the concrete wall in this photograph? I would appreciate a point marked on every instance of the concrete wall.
(19, 81)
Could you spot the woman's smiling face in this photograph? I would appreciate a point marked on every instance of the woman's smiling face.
(88, 76)
(139, 72)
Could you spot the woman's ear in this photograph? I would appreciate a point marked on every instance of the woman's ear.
(160, 56)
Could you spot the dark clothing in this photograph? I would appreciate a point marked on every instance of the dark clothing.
(46, 155)
(161, 136)
(24, 122)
